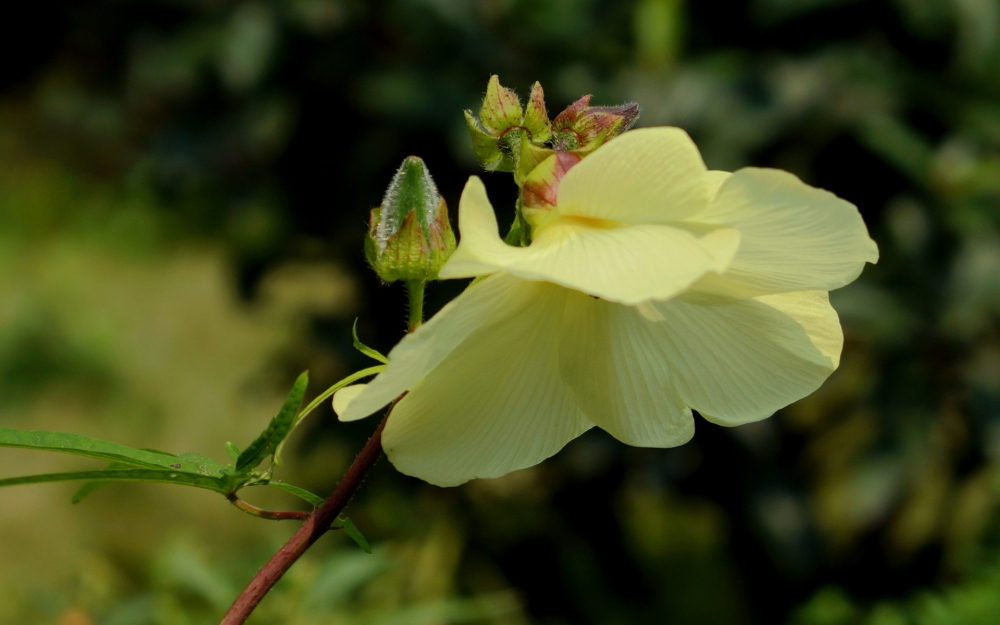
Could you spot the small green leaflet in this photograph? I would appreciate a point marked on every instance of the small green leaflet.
(322, 397)
(301, 493)
(364, 349)
(268, 441)
(233, 451)
(353, 533)
(89, 488)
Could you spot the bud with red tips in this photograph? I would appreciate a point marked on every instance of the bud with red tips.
(585, 127)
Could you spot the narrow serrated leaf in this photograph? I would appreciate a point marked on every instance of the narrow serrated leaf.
(353, 532)
(364, 349)
(217, 484)
(104, 450)
(279, 427)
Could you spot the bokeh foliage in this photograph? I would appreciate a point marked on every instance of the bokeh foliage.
(184, 187)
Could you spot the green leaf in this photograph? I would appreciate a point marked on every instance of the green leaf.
(90, 487)
(233, 451)
(104, 450)
(301, 493)
(354, 377)
(353, 532)
(87, 490)
(217, 484)
(364, 349)
(268, 441)
(206, 465)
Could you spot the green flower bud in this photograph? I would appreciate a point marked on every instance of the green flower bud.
(409, 235)
(582, 127)
(500, 134)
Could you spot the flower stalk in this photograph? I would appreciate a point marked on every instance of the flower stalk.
(415, 294)
(318, 523)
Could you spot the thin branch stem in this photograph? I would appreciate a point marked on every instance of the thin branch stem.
(315, 526)
(267, 514)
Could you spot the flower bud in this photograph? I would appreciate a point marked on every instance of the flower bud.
(409, 235)
(504, 128)
(584, 127)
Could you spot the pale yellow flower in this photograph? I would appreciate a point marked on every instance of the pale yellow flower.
(654, 288)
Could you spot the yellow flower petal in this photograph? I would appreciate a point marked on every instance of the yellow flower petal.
(793, 237)
(422, 350)
(343, 397)
(714, 179)
(612, 358)
(739, 361)
(650, 175)
(496, 404)
(618, 262)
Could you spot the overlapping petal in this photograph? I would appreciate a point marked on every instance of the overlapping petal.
(739, 361)
(647, 176)
(625, 263)
(496, 403)
(612, 358)
(419, 352)
(794, 237)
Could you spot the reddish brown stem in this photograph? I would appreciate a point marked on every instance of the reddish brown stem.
(318, 524)
(267, 514)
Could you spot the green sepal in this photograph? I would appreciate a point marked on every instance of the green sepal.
(484, 145)
(531, 156)
(279, 427)
(364, 349)
(536, 118)
(501, 109)
(519, 234)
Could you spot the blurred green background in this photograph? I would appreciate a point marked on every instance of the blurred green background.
(184, 187)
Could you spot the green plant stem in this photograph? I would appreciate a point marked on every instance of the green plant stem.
(415, 292)
(318, 523)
